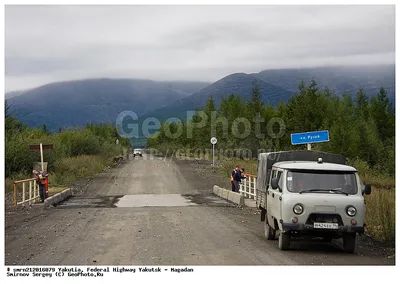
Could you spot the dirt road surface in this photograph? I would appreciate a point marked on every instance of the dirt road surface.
(149, 211)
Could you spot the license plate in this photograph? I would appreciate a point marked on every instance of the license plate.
(326, 225)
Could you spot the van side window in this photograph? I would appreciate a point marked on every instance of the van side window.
(277, 174)
(280, 180)
(289, 181)
(273, 174)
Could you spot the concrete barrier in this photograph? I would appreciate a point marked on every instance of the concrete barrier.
(224, 193)
(236, 198)
(57, 198)
(229, 195)
(217, 190)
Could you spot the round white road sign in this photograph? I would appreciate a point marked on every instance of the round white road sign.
(213, 140)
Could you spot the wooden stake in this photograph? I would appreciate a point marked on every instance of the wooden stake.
(15, 194)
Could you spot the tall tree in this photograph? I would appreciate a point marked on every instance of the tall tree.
(382, 113)
(44, 129)
(255, 114)
(12, 125)
(255, 105)
(209, 111)
(210, 106)
(362, 104)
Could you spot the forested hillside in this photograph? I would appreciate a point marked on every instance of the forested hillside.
(362, 129)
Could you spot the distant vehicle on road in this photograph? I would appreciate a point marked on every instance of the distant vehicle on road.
(310, 193)
(137, 152)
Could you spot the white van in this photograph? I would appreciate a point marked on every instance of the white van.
(309, 193)
(137, 152)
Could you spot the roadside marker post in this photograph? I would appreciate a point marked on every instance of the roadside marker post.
(213, 142)
(41, 156)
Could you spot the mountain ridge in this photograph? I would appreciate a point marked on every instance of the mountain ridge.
(100, 100)
(236, 83)
(70, 103)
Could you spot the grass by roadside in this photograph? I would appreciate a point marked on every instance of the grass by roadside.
(68, 170)
(373, 176)
(381, 214)
(250, 166)
(57, 189)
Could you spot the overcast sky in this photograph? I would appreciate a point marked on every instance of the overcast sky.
(48, 44)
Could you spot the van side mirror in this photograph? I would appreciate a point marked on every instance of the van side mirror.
(367, 189)
(274, 183)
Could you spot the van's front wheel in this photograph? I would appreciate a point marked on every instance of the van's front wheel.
(268, 231)
(284, 240)
(349, 242)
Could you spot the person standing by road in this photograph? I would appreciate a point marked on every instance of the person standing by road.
(237, 176)
(242, 173)
(234, 171)
(40, 179)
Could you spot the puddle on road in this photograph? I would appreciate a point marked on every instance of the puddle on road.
(153, 200)
(206, 199)
(89, 201)
(143, 200)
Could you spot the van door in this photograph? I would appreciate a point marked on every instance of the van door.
(274, 199)
(270, 218)
(277, 204)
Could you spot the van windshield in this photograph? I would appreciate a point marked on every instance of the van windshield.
(321, 181)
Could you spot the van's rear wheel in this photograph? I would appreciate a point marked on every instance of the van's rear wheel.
(268, 231)
(349, 242)
(284, 240)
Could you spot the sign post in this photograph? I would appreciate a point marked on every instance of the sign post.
(41, 156)
(42, 147)
(310, 137)
(213, 142)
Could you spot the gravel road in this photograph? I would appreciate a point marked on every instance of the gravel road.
(148, 211)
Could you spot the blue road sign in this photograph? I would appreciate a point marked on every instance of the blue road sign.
(310, 137)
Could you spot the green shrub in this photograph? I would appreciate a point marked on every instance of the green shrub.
(70, 143)
(18, 157)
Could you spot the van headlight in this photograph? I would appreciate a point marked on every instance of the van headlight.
(351, 211)
(298, 209)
